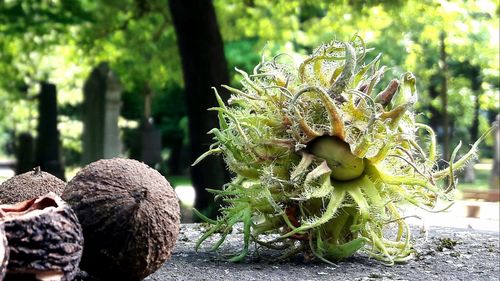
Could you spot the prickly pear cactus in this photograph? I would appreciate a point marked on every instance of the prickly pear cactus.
(323, 159)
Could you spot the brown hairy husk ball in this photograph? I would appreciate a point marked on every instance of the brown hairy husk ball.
(130, 218)
(29, 185)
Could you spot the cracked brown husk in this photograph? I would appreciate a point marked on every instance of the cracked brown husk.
(324, 160)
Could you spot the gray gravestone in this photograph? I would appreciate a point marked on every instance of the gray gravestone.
(48, 152)
(469, 173)
(101, 109)
(150, 144)
(24, 153)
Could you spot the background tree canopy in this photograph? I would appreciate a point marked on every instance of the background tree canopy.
(61, 40)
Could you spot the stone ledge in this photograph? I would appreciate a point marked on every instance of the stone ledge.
(475, 256)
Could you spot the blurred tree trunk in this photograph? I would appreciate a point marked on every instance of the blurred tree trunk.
(435, 113)
(475, 79)
(444, 98)
(175, 160)
(48, 154)
(495, 171)
(204, 66)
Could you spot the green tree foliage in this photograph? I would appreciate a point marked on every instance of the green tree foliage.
(406, 32)
(31, 51)
(60, 41)
(137, 38)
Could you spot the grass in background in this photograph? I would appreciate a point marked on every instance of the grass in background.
(178, 180)
(5, 171)
(481, 182)
(2, 179)
(483, 172)
(186, 194)
(482, 169)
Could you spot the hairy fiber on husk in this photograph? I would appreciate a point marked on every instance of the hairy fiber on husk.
(324, 159)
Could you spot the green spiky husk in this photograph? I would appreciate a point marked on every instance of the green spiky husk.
(282, 187)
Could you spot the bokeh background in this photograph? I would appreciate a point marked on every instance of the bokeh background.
(83, 80)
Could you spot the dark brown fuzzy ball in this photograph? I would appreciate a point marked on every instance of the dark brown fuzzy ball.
(130, 218)
(28, 186)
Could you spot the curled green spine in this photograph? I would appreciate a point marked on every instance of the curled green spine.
(324, 160)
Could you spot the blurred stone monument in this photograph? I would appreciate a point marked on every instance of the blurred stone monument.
(48, 152)
(101, 109)
(151, 143)
(495, 171)
(24, 153)
(469, 173)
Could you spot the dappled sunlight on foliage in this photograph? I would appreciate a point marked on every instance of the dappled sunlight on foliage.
(61, 41)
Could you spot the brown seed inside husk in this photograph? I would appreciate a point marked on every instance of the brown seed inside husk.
(44, 237)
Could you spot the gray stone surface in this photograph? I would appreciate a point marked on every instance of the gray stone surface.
(475, 256)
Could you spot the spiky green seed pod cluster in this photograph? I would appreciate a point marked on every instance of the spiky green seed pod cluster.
(323, 159)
